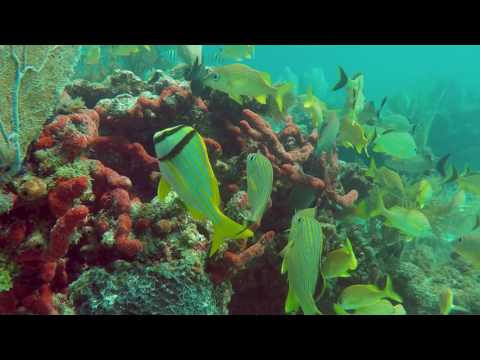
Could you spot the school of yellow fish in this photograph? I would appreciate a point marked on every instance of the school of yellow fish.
(409, 207)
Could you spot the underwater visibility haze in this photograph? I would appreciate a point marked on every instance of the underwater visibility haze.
(239, 179)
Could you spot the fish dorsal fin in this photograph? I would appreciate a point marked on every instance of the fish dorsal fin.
(266, 77)
(163, 189)
(262, 99)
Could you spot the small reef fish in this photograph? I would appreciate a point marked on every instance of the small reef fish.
(446, 302)
(416, 165)
(190, 53)
(424, 193)
(186, 169)
(399, 145)
(128, 50)
(259, 184)
(302, 263)
(411, 222)
(360, 296)
(239, 80)
(340, 262)
(315, 107)
(289, 100)
(352, 134)
(470, 183)
(354, 87)
(382, 307)
(236, 52)
(387, 179)
(92, 54)
(468, 246)
(328, 135)
(395, 122)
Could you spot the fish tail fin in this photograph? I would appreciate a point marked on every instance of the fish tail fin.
(378, 204)
(342, 81)
(354, 262)
(309, 307)
(291, 303)
(282, 90)
(390, 292)
(227, 228)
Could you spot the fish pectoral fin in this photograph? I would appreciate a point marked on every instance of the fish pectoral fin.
(460, 309)
(163, 189)
(237, 98)
(262, 99)
(227, 229)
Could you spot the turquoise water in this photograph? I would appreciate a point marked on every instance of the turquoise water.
(388, 68)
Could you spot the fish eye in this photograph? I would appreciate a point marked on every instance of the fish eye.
(460, 240)
(215, 76)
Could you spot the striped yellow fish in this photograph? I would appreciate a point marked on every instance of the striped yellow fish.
(315, 107)
(340, 262)
(382, 307)
(186, 169)
(360, 296)
(259, 185)
(302, 263)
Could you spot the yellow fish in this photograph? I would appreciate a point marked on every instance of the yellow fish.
(236, 52)
(239, 80)
(446, 302)
(302, 263)
(386, 179)
(410, 222)
(186, 169)
(352, 134)
(468, 246)
(470, 183)
(360, 296)
(354, 87)
(424, 193)
(327, 137)
(395, 122)
(340, 262)
(399, 145)
(128, 50)
(382, 307)
(92, 54)
(259, 184)
(315, 107)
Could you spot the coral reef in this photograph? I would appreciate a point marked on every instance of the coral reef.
(31, 78)
(82, 232)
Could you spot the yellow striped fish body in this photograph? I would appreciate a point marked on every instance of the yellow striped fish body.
(302, 263)
(186, 169)
(259, 184)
